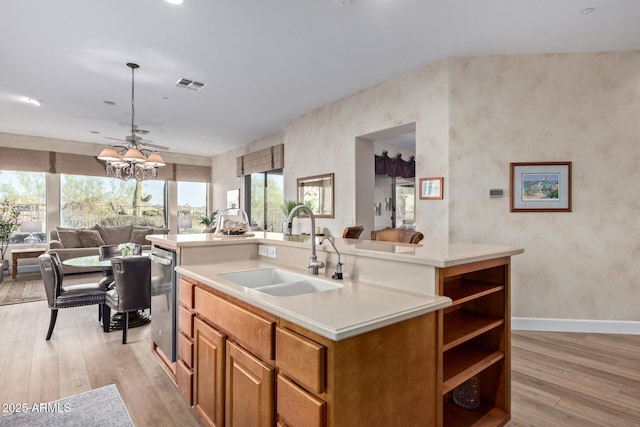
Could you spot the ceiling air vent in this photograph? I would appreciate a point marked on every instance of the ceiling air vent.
(190, 84)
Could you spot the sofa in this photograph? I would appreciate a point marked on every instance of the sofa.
(79, 242)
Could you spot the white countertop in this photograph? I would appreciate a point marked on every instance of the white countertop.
(336, 314)
(424, 253)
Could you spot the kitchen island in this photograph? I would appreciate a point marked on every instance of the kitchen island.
(407, 325)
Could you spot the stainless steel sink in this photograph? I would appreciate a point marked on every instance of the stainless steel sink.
(278, 282)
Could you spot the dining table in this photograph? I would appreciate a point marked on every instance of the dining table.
(136, 318)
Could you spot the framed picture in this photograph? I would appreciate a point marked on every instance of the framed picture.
(431, 188)
(233, 199)
(541, 187)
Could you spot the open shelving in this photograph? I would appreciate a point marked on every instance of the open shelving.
(475, 340)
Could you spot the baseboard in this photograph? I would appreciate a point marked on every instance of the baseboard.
(575, 325)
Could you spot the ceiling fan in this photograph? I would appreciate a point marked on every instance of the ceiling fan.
(133, 139)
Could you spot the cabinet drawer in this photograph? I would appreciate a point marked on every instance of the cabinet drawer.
(252, 331)
(301, 359)
(184, 380)
(185, 321)
(185, 349)
(185, 292)
(298, 408)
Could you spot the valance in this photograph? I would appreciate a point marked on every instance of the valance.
(395, 167)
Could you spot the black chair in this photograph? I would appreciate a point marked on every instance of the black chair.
(60, 296)
(132, 289)
(108, 252)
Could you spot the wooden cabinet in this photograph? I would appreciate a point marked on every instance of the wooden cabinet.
(233, 372)
(184, 366)
(249, 389)
(297, 407)
(475, 340)
(208, 384)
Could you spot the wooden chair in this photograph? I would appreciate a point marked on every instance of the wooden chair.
(132, 289)
(352, 232)
(60, 296)
(397, 235)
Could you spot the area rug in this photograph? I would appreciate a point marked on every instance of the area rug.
(100, 407)
(28, 287)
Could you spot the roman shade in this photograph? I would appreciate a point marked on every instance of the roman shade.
(263, 160)
(18, 159)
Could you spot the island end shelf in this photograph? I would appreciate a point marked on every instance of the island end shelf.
(475, 339)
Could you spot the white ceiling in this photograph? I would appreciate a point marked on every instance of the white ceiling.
(265, 62)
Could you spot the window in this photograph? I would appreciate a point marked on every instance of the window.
(192, 205)
(265, 200)
(89, 200)
(28, 191)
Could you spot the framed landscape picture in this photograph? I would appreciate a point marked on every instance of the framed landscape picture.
(541, 187)
(431, 188)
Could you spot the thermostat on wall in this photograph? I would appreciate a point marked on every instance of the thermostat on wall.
(495, 192)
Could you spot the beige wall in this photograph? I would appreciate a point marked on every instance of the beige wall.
(583, 108)
(473, 117)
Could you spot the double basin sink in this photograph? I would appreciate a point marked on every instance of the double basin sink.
(279, 283)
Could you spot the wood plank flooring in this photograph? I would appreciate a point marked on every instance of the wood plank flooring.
(558, 379)
(80, 357)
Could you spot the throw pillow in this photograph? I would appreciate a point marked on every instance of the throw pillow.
(138, 235)
(70, 238)
(160, 231)
(90, 238)
(115, 235)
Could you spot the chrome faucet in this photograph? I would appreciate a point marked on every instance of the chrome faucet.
(338, 274)
(314, 264)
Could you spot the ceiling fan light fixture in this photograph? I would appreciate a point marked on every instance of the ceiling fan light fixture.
(155, 159)
(134, 155)
(133, 163)
(109, 154)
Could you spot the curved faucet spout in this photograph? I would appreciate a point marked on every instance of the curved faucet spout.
(314, 264)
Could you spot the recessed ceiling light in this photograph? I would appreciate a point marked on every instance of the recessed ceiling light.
(94, 131)
(174, 1)
(33, 101)
(587, 11)
(109, 102)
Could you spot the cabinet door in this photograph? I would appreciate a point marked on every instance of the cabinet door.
(208, 372)
(250, 389)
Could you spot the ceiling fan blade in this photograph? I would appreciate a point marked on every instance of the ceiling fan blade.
(116, 139)
(152, 145)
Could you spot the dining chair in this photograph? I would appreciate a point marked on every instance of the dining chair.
(110, 251)
(132, 289)
(352, 232)
(397, 235)
(60, 296)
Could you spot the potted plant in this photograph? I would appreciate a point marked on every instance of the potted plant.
(286, 209)
(9, 213)
(209, 221)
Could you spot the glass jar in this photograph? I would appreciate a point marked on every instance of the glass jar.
(467, 394)
(232, 222)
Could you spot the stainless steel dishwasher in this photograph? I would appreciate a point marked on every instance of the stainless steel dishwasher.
(164, 301)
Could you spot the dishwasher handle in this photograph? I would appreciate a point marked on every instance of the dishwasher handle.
(160, 260)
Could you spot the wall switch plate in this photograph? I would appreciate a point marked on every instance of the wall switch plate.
(271, 252)
(262, 250)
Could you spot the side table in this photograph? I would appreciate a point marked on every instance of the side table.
(17, 254)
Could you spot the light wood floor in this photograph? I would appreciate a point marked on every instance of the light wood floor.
(575, 379)
(80, 357)
(558, 379)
